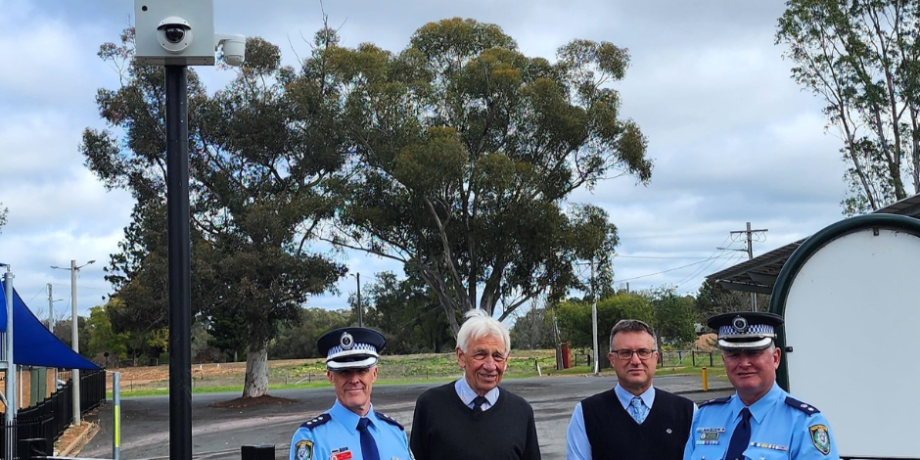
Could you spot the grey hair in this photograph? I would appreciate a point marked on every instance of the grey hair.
(479, 324)
(631, 325)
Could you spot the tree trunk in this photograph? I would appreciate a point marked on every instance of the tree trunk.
(256, 383)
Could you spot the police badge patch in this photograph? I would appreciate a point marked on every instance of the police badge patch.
(304, 450)
(820, 438)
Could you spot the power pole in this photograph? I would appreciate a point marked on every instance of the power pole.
(50, 310)
(750, 251)
(360, 308)
(594, 318)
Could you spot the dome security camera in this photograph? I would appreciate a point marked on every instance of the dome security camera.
(232, 47)
(174, 34)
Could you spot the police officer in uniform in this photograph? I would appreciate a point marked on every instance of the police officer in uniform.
(760, 421)
(351, 429)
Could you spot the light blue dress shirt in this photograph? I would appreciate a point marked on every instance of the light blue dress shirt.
(466, 394)
(334, 435)
(781, 428)
(577, 446)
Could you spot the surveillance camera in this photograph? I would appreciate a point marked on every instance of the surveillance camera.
(175, 34)
(233, 47)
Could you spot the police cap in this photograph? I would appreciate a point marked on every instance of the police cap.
(350, 348)
(745, 330)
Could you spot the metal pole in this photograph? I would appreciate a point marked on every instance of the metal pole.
(177, 210)
(50, 309)
(360, 308)
(10, 413)
(74, 341)
(116, 415)
(594, 317)
(750, 251)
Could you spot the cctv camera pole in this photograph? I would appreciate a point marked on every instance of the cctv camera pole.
(177, 209)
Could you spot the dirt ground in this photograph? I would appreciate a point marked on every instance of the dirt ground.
(153, 374)
(706, 342)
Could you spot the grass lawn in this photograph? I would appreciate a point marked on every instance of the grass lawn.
(394, 370)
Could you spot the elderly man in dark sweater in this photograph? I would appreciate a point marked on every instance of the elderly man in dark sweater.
(634, 420)
(473, 418)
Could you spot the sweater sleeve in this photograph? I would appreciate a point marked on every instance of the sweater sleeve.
(533, 445)
(418, 439)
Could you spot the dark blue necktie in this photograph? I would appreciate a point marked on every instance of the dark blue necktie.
(368, 445)
(740, 437)
(478, 402)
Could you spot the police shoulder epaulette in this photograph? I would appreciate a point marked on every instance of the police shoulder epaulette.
(317, 421)
(390, 420)
(715, 401)
(804, 407)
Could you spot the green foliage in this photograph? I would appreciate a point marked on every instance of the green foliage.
(534, 330)
(861, 58)
(575, 323)
(465, 150)
(713, 299)
(408, 315)
(102, 339)
(263, 154)
(672, 316)
(299, 341)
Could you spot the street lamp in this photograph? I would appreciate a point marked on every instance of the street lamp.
(360, 308)
(75, 343)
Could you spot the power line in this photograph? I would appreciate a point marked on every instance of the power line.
(663, 271)
(667, 235)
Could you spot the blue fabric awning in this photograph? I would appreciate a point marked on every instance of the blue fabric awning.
(33, 344)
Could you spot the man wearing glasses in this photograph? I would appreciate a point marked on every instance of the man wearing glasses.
(474, 418)
(634, 420)
(760, 420)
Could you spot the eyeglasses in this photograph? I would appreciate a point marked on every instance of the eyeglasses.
(643, 353)
(482, 356)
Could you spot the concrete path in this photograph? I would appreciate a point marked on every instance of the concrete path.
(218, 433)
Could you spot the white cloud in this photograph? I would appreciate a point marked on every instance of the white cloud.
(733, 138)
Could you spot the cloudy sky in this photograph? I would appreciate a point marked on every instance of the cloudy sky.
(734, 140)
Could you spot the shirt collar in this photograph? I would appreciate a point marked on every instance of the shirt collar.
(648, 396)
(467, 394)
(760, 408)
(347, 417)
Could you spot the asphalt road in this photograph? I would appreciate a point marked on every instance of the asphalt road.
(218, 433)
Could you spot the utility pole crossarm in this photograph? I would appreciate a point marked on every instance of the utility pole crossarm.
(750, 251)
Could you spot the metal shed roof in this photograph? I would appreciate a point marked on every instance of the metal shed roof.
(759, 274)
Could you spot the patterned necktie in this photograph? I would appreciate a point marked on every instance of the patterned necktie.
(478, 402)
(637, 409)
(368, 445)
(740, 437)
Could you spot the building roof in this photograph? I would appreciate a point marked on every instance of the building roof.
(759, 274)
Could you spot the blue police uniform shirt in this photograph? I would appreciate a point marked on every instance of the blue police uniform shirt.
(334, 436)
(577, 446)
(781, 428)
(466, 394)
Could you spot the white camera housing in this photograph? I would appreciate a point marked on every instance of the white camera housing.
(181, 32)
(174, 34)
(232, 47)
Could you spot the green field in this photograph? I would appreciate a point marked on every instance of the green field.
(441, 367)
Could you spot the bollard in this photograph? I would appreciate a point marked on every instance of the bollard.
(32, 447)
(536, 364)
(705, 380)
(258, 452)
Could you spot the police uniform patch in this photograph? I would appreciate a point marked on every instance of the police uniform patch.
(820, 438)
(303, 450)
